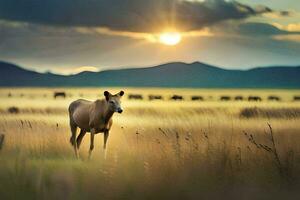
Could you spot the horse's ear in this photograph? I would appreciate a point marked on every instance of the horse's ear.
(121, 93)
(106, 94)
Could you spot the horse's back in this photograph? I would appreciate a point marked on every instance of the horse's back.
(79, 112)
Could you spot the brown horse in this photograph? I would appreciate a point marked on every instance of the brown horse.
(94, 117)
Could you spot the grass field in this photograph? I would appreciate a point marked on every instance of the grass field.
(157, 149)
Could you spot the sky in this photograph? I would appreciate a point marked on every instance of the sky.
(69, 36)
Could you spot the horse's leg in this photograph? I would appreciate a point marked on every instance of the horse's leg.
(92, 142)
(79, 138)
(106, 134)
(73, 137)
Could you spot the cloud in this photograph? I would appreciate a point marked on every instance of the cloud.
(278, 14)
(67, 33)
(259, 29)
(262, 30)
(127, 15)
(150, 37)
(293, 27)
(292, 38)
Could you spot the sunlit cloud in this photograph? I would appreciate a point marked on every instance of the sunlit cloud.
(292, 38)
(150, 37)
(154, 37)
(290, 27)
(99, 30)
(205, 32)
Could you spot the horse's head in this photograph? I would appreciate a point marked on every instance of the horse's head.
(114, 101)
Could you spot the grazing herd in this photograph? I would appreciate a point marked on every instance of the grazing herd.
(176, 97)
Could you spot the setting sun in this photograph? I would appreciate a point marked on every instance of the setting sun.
(170, 38)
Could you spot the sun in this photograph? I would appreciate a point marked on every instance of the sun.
(170, 38)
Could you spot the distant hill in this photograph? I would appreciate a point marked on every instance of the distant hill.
(176, 74)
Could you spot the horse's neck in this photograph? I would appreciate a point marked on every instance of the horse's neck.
(107, 115)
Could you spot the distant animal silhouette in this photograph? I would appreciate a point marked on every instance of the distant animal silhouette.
(197, 98)
(155, 97)
(238, 98)
(296, 98)
(94, 117)
(225, 98)
(274, 98)
(254, 98)
(135, 96)
(13, 110)
(59, 94)
(177, 97)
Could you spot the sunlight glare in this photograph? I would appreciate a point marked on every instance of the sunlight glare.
(170, 38)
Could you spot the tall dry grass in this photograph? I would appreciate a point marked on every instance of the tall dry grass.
(156, 150)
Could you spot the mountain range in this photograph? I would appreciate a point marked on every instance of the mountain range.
(175, 74)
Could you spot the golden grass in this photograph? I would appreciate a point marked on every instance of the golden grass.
(156, 150)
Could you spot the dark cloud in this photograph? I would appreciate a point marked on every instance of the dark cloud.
(285, 13)
(127, 15)
(262, 29)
